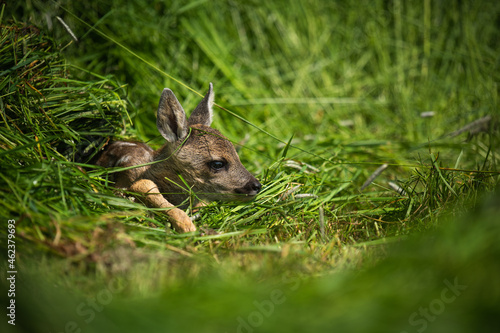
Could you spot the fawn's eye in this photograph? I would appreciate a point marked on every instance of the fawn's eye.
(217, 165)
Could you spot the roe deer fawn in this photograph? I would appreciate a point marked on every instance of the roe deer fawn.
(195, 155)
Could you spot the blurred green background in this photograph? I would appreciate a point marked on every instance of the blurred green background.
(318, 94)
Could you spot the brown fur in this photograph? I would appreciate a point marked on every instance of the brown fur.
(195, 159)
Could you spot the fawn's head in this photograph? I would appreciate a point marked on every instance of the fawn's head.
(200, 155)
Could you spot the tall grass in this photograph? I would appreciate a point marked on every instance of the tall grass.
(315, 95)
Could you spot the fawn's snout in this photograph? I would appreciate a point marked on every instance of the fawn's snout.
(250, 190)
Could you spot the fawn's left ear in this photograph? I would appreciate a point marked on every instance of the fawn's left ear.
(203, 112)
(171, 118)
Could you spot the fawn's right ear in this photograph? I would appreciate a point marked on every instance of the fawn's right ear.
(203, 112)
(171, 118)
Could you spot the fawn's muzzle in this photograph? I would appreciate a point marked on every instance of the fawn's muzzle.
(251, 188)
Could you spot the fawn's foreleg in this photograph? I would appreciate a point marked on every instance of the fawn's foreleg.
(153, 198)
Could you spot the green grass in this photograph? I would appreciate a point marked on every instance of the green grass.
(316, 96)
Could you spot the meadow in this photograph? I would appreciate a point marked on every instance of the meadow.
(372, 125)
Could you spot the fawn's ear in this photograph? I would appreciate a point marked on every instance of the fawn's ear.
(203, 112)
(171, 118)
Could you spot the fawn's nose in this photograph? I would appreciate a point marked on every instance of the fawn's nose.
(251, 188)
(256, 186)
